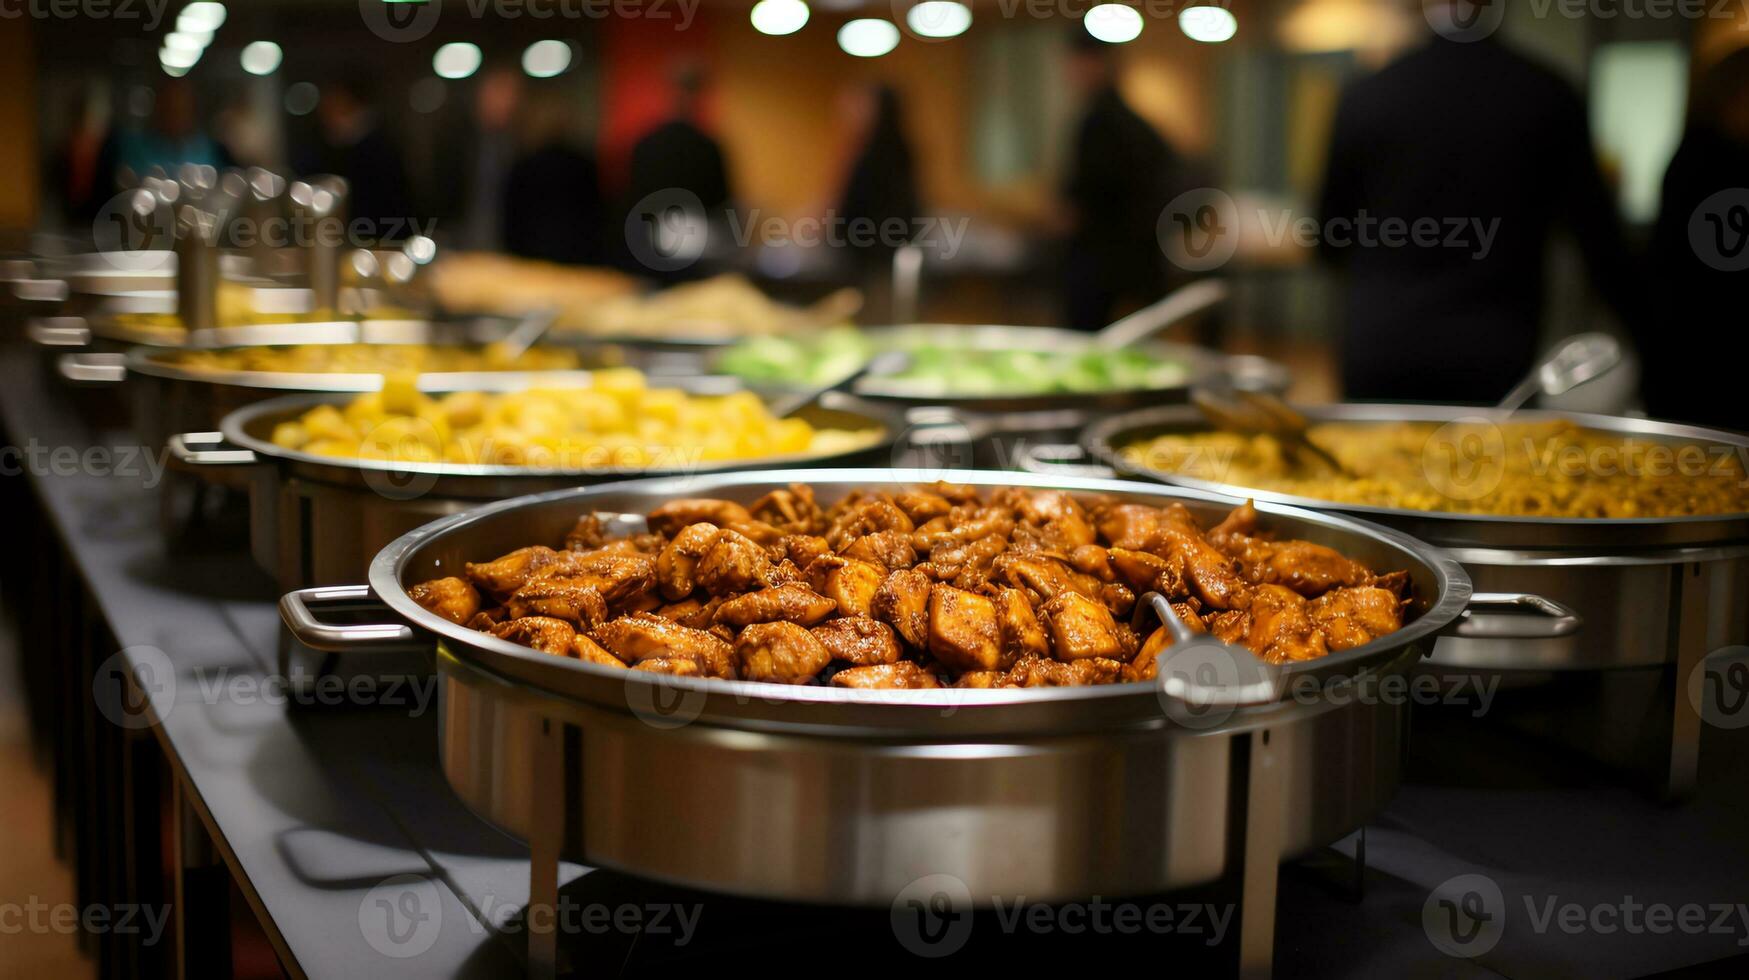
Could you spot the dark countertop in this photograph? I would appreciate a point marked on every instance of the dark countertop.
(314, 807)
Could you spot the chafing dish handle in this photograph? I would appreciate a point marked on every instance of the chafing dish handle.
(93, 368)
(1561, 621)
(294, 609)
(183, 447)
(58, 331)
(1058, 459)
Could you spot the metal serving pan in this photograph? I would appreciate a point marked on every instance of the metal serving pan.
(1649, 591)
(319, 519)
(823, 794)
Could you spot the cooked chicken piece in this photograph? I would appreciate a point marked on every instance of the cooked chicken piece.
(1145, 665)
(695, 613)
(865, 518)
(956, 493)
(1397, 583)
(1134, 527)
(962, 525)
(1240, 520)
(1091, 559)
(759, 532)
(793, 511)
(964, 631)
(794, 603)
(1082, 628)
(780, 653)
(921, 505)
(485, 619)
(1048, 577)
(452, 598)
(1055, 673)
(785, 573)
(800, 548)
(511, 572)
(1058, 516)
(732, 564)
(573, 599)
(589, 651)
(678, 563)
(1208, 570)
(543, 633)
(1022, 636)
(1275, 625)
(1311, 569)
(902, 676)
(674, 515)
(1147, 572)
(967, 567)
(902, 601)
(678, 666)
(890, 549)
(1351, 617)
(646, 636)
(618, 577)
(859, 640)
(982, 679)
(850, 583)
(589, 533)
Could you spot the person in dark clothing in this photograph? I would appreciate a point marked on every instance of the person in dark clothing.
(880, 190)
(1120, 177)
(1489, 152)
(1700, 251)
(552, 196)
(353, 144)
(675, 158)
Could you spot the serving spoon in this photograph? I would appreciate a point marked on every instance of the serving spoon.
(1240, 678)
(1177, 306)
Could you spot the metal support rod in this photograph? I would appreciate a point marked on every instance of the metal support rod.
(191, 899)
(545, 839)
(1691, 589)
(1260, 860)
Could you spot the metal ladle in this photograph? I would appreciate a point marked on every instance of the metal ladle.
(1179, 305)
(1250, 679)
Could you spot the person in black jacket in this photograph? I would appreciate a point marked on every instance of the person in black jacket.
(353, 143)
(1489, 152)
(880, 190)
(553, 208)
(1693, 365)
(1119, 180)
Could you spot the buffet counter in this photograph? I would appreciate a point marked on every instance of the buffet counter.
(338, 828)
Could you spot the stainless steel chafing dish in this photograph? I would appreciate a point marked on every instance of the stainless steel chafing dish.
(1649, 592)
(318, 519)
(835, 795)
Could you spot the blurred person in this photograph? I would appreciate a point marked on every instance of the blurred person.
(353, 143)
(880, 186)
(1121, 177)
(171, 137)
(679, 154)
(1702, 234)
(86, 162)
(497, 101)
(553, 208)
(1497, 150)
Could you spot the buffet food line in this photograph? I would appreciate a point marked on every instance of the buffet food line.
(714, 599)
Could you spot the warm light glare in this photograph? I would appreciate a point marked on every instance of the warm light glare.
(261, 57)
(939, 18)
(1210, 25)
(868, 37)
(172, 58)
(1113, 23)
(544, 59)
(202, 16)
(457, 59)
(178, 41)
(779, 17)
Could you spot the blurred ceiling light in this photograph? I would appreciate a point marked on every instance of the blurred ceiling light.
(457, 59)
(173, 58)
(427, 95)
(544, 59)
(174, 71)
(868, 37)
(1210, 25)
(779, 17)
(301, 98)
(939, 18)
(201, 16)
(1113, 23)
(261, 57)
(178, 41)
(1318, 26)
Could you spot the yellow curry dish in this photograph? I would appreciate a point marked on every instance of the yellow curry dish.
(374, 359)
(1520, 469)
(617, 423)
